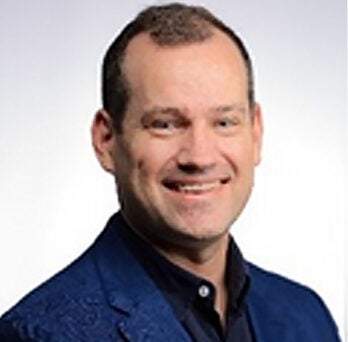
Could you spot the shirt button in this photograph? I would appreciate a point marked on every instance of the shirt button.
(204, 291)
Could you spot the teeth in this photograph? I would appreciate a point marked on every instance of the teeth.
(197, 187)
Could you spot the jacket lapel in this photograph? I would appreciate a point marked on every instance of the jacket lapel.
(266, 324)
(149, 322)
(143, 312)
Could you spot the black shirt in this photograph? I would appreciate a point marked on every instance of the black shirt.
(192, 298)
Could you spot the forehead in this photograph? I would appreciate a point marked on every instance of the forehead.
(192, 75)
(219, 49)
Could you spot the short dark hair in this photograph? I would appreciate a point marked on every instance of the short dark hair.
(168, 25)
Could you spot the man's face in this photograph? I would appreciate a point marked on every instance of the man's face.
(184, 163)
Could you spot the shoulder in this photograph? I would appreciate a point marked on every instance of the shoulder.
(281, 289)
(73, 296)
(84, 301)
(289, 303)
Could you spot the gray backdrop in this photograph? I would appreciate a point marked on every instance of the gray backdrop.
(54, 198)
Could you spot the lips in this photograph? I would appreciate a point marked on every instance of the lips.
(194, 186)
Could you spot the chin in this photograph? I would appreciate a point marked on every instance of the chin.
(187, 233)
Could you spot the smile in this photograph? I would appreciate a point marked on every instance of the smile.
(195, 187)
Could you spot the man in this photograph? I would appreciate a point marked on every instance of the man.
(181, 132)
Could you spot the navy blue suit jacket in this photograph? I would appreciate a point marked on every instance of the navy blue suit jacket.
(105, 295)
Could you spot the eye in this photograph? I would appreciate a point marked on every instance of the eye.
(227, 122)
(162, 126)
(166, 125)
(159, 124)
(227, 125)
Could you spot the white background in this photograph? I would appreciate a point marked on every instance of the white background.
(54, 198)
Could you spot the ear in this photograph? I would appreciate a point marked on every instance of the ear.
(103, 140)
(257, 133)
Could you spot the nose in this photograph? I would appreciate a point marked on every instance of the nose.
(198, 150)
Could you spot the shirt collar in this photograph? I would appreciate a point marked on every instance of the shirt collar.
(181, 287)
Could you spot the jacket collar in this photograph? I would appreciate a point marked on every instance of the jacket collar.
(131, 292)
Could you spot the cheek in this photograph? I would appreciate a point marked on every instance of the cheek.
(240, 153)
(145, 177)
(150, 161)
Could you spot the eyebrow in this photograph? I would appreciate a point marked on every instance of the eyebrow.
(180, 112)
(163, 110)
(229, 108)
